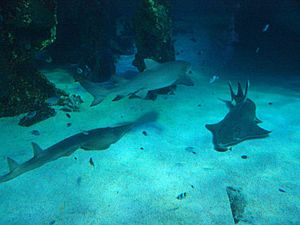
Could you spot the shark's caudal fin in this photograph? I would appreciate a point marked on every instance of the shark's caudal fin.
(37, 151)
(94, 90)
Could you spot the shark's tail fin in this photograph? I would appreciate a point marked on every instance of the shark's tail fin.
(98, 90)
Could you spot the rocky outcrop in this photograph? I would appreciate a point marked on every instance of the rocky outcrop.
(27, 27)
(153, 27)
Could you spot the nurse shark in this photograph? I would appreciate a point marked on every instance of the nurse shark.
(156, 76)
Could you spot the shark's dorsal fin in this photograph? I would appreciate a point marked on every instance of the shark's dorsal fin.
(150, 63)
(12, 164)
(37, 150)
(240, 96)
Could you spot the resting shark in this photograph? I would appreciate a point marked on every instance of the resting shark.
(96, 139)
(156, 76)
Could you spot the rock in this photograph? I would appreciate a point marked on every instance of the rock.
(37, 116)
(153, 20)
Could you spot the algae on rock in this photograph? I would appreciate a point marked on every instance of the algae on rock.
(27, 27)
(153, 28)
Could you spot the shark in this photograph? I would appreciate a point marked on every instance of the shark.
(239, 124)
(155, 77)
(95, 139)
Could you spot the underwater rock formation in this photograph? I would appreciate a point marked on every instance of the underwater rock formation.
(27, 27)
(97, 25)
(153, 32)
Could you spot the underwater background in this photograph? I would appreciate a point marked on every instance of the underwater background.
(149, 112)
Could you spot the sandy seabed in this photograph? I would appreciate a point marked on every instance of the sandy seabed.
(137, 180)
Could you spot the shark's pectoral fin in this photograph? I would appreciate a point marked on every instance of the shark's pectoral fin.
(118, 97)
(256, 120)
(37, 150)
(211, 127)
(255, 131)
(184, 80)
(97, 100)
(12, 164)
(228, 104)
(142, 93)
(133, 95)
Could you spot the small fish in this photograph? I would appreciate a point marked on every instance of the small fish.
(257, 49)
(92, 162)
(213, 79)
(266, 27)
(181, 196)
(281, 190)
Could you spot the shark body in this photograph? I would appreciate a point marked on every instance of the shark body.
(96, 139)
(156, 76)
(239, 124)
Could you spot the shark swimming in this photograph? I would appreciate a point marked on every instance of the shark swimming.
(95, 139)
(156, 76)
(239, 124)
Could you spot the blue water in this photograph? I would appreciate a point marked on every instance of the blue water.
(167, 172)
